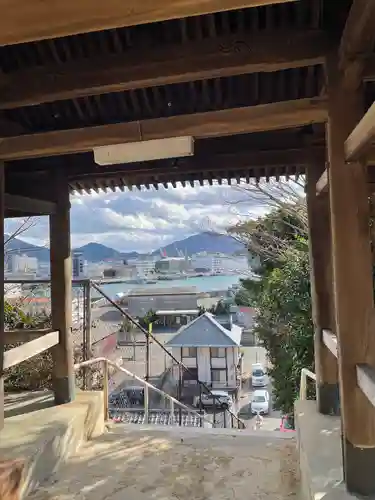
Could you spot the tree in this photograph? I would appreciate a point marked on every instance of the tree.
(281, 291)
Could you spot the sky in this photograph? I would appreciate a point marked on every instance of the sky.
(148, 219)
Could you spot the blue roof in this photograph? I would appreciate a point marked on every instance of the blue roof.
(205, 331)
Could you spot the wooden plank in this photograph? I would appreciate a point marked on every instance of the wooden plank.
(357, 41)
(213, 58)
(322, 183)
(2, 305)
(279, 115)
(24, 335)
(198, 163)
(366, 381)
(330, 341)
(30, 349)
(353, 285)
(61, 290)
(28, 205)
(360, 140)
(29, 20)
(318, 212)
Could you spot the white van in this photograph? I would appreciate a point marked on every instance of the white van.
(258, 375)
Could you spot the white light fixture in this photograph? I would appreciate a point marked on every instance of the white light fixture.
(155, 149)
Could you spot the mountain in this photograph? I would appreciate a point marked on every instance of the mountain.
(95, 252)
(16, 245)
(202, 242)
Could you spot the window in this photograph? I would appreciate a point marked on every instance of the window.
(189, 352)
(218, 376)
(217, 352)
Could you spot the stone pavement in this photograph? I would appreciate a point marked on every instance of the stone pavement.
(136, 463)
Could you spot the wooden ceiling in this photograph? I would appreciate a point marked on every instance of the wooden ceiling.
(243, 74)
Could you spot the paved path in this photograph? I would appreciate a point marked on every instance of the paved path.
(186, 464)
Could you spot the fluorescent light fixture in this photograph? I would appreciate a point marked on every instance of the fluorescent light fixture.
(156, 149)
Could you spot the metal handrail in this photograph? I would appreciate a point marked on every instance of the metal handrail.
(149, 335)
(303, 385)
(107, 362)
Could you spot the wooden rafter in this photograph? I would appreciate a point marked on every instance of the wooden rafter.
(360, 140)
(29, 20)
(274, 116)
(220, 57)
(214, 162)
(357, 41)
(25, 204)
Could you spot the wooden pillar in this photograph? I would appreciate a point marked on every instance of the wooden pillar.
(61, 292)
(2, 336)
(318, 209)
(353, 284)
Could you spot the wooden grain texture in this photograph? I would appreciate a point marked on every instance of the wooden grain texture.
(274, 116)
(360, 140)
(30, 349)
(357, 41)
(29, 20)
(212, 58)
(352, 264)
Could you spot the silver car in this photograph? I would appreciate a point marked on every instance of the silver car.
(222, 400)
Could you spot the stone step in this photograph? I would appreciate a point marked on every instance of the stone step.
(156, 417)
(135, 462)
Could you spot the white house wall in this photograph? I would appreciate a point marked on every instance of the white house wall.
(231, 363)
(204, 367)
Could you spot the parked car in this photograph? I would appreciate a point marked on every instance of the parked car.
(119, 399)
(258, 375)
(260, 402)
(286, 425)
(222, 400)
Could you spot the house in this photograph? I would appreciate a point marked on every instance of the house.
(211, 351)
(174, 306)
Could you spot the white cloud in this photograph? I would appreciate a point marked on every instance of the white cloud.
(145, 220)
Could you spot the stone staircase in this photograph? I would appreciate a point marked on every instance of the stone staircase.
(135, 462)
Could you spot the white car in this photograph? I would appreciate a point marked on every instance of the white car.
(258, 375)
(260, 402)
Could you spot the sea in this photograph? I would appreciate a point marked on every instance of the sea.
(202, 284)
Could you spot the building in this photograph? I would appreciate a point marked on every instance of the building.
(172, 265)
(78, 265)
(120, 270)
(211, 352)
(175, 299)
(222, 264)
(144, 266)
(22, 264)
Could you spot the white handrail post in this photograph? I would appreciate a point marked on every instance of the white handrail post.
(146, 403)
(105, 388)
(172, 412)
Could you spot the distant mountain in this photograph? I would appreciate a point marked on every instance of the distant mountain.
(202, 242)
(95, 252)
(16, 245)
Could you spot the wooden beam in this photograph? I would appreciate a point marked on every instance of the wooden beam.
(30, 349)
(212, 58)
(318, 212)
(360, 140)
(330, 341)
(357, 41)
(28, 205)
(29, 20)
(353, 285)
(2, 299)
(322, 183)
(61, 291)
(24, 335)
(366, 381)
(280, 115)
(200, 163)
